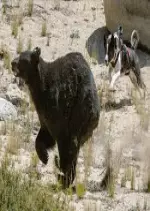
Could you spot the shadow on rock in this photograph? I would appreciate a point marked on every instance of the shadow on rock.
(95, 44)
(109, 106)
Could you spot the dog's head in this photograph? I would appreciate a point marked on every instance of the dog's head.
(109, 44)
(26, 65)
(112, 43)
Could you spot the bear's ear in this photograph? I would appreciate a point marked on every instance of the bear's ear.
(36, 54)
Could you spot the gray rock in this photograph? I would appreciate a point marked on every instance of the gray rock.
(131, 15)
(7, 110)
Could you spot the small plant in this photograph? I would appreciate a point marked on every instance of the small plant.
(80, 190)
(3, 129)
(13, 145)
(48, 39)
(111, 184)
(145, 205)
(94, 13)
(133, 180)
(128, 173)
(74, 35)
(123, 181)
(4, 7)
(14, 27)
(30, 7)
(7, 60)
(148, 184)
(29, 44)
(19, 46)
(94, 56)
(57, 5)
(84, 7)
(14, 140)
(87, 154)
(138, 208)
(20, 18)
(34, 159)
(32, 171)
(44, 29)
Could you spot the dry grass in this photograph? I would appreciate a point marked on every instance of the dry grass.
(19, 46)
(88, 159)
(44, 29)
(15, 27)
(19, 193)
(29, 44)
(57, 5)
(133, 180)
(48, 39)
(30, 7)
(7, 59)
(4, 6)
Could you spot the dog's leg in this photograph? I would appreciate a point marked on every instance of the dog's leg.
(109, 73)
(114, 79)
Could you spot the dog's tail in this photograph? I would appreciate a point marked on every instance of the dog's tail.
(135, 38)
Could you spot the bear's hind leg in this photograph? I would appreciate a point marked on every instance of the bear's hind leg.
(68, 153)
(44, 141)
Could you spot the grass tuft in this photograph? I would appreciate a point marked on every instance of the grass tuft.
(133, 180)
(44, 29)
(4, 7)
(30, 7)
(57, 5)
(29, 44)
(7, 60)
(14, 27)
(19, 46)
(123, 181)
(48, 39)
(80, 190)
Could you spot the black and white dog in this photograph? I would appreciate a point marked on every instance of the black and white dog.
(112, 45)
(123, 60)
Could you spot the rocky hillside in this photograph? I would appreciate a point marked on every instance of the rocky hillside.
(122, 137)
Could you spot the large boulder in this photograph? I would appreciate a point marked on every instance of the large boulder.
(131, 14)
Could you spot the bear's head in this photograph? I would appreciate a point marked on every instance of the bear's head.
(26, 65)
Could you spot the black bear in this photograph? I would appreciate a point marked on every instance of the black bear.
(66, 100)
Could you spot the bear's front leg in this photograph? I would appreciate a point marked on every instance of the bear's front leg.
(44, 141)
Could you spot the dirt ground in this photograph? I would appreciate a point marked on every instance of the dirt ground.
(124, 122)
